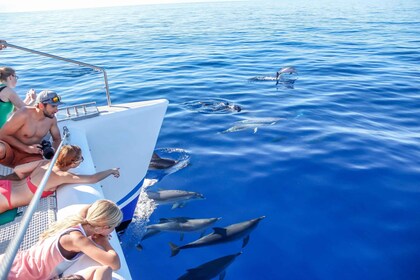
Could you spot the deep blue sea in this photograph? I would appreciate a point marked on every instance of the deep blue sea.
(332, 161)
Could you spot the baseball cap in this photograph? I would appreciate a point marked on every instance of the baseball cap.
(48, 97)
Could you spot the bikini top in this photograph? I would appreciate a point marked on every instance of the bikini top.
(33, 188)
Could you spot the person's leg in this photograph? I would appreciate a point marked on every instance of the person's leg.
(97, 273)
(22, 157)
(102, 273)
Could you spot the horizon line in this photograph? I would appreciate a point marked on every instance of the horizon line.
(41, 6)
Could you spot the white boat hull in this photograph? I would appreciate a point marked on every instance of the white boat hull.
(121, 136)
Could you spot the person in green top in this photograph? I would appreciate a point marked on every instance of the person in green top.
(9, 100)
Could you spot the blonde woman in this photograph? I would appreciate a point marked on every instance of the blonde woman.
(9, 100)
(66, 240)
(18, 188)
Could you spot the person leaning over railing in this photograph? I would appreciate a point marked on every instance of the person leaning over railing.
(18, 188)
(21, 135)
(66, 240)
(9, 99)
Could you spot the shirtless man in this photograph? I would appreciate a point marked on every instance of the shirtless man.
(21, 135)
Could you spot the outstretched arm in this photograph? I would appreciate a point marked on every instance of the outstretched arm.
(71, 178)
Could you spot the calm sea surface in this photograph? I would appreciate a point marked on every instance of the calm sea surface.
(334, 164)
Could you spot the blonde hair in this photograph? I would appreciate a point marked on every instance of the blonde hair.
(68, 155)
(5, 72)
(100, 213)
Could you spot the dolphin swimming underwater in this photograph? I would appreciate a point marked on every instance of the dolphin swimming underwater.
(221, 235)
(179, 224)
(177, 198)
(253, 124)
(219, 106)
(161, 163)
(211, 269)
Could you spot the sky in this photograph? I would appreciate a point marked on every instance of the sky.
(44, 5)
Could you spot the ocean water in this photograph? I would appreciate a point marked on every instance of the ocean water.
(332, 161)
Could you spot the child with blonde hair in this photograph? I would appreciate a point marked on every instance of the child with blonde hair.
(66, 240)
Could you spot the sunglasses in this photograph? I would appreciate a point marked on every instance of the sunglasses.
(56, 99)
(79, 160)
(16, 76)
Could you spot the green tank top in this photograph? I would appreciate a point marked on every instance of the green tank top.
(5, 109)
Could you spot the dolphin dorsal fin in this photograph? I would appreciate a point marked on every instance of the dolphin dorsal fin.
(219, 230)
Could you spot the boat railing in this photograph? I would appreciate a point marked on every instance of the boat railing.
(94, 67)
(14, 244)
(78, 112)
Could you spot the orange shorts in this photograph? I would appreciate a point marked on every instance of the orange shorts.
(15, 157)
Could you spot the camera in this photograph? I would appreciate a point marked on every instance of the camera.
(47, 149)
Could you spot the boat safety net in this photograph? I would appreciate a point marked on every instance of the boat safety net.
(44, 215)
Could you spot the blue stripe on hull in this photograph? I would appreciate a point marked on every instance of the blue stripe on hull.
(128, 210)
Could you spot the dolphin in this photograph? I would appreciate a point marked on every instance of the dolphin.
(221, 235)
(177, 198)
(286, 70)
(179, 224)
(253, 124)
(287, 75)
(220, 106)
(210, 269)
(213, 106)
(161, 163)
(233, 107)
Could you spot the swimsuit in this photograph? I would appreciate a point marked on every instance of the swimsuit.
(33, 188)
(6, 107)
(9, 215)
(6, 190)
